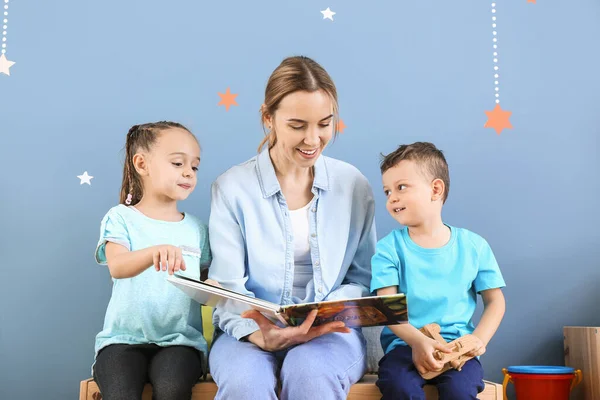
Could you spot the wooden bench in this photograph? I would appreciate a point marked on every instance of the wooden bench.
(363, 390)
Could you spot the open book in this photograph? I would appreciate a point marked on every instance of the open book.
(358, 312)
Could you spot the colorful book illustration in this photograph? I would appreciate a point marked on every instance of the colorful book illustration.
(357, 312)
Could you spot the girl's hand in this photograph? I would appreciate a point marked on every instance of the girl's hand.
(211, 282)
(168, 258)
(270, 337)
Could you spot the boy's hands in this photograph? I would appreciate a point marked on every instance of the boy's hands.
(423, 350)
(479, 348)
(168, 258)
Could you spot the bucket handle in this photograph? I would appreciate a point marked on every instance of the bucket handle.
(507, 380)
(577, 379)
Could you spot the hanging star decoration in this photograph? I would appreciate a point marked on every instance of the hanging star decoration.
(531, 1)
(5, 65)
(227, 99)
(328, 14)
(498, 119)
(341, 126)
(85, 178)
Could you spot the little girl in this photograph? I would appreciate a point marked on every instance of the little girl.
(152, 330)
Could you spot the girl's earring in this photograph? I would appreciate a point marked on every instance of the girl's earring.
(128, 201)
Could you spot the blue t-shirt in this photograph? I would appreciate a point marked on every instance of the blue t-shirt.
(147, 308)
(441, 284)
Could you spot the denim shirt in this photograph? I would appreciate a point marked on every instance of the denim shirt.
(252, 242)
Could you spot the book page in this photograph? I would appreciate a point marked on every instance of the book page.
(359, 312)
(219, 297)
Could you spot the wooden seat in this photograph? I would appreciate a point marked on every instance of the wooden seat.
(363, 390)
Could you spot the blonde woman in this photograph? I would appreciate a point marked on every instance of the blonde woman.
(291, 225)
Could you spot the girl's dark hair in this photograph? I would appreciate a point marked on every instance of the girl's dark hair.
(140, 137)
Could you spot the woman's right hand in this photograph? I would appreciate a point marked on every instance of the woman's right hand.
(423, 351)
(270, 337)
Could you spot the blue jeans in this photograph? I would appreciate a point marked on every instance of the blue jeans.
(400, 380)
(323, 368)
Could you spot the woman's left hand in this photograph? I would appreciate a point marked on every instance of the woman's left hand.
(273, 338)
(212, 282)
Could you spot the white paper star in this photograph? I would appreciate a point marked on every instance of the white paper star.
(328, 14)
(5, 65)
(85, 178)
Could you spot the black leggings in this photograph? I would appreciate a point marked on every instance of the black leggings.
(122, 370)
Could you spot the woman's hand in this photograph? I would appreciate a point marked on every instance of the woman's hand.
(270, 337)
(211, 282)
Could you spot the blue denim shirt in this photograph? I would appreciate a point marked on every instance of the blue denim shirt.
(252, 242)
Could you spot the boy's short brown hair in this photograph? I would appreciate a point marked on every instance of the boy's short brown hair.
(426, 156)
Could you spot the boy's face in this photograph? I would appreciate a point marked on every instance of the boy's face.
(409, 193)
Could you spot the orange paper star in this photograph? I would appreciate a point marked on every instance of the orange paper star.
(227, 99)
(531, 1)
(341, 126)
(498, 119)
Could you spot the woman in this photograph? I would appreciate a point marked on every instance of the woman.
(291, 226)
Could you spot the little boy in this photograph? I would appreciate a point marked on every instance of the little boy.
(441, 269)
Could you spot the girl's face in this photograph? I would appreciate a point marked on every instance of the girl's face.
(169, 169)
(303, 125)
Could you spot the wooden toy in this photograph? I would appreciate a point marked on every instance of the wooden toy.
(457, 358)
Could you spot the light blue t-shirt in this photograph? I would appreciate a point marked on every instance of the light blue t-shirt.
(441, 284)
(147, 308)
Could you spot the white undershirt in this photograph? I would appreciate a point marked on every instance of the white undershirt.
(303, 269)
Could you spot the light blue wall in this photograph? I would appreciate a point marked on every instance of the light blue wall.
(406, 71)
